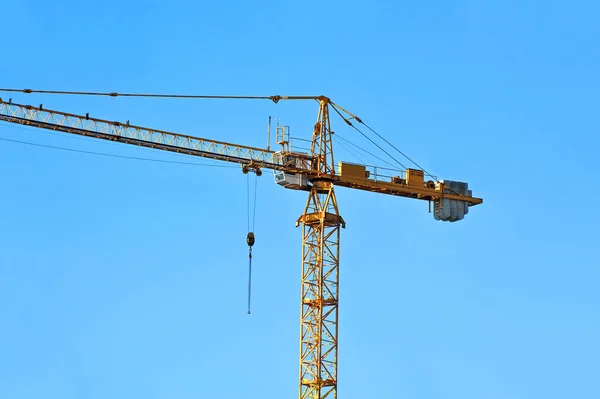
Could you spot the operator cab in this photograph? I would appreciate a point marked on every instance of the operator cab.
(295, 181)
(291, 160)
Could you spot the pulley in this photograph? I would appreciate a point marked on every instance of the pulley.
(251, 167)
(250, 239)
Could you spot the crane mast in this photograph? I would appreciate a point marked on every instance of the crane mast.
(321, 220)
(321, 224)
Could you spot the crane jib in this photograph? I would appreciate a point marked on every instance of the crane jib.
(128, 134)
(128, 140)
(289, 164)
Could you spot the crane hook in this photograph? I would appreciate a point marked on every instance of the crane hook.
(250, 239)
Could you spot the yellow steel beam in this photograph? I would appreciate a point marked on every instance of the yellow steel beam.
(322, 166)
(137, 135)
(402, 190)
(321, 224)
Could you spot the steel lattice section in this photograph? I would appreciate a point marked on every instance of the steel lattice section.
(322, 142)
(319, 309)
(117, 131)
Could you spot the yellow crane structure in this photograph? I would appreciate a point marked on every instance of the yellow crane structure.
(315, 172)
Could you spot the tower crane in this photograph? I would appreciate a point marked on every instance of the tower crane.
(316, 173)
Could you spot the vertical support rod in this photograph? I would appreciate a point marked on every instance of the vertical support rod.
(269, 136)
(249, 277)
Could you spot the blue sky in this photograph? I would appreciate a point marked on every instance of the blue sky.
(124, 279)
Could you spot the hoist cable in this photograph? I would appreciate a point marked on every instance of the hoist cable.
(378, 146)
(249, 246)
(335, 106)
(254, 205)
(250, 232)
(362, 149)
(350, 150)
(416, 164)
(347, 120)
(248, 200)
(403, 154)
(390, 144)
(365, 136)
(249, 278)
